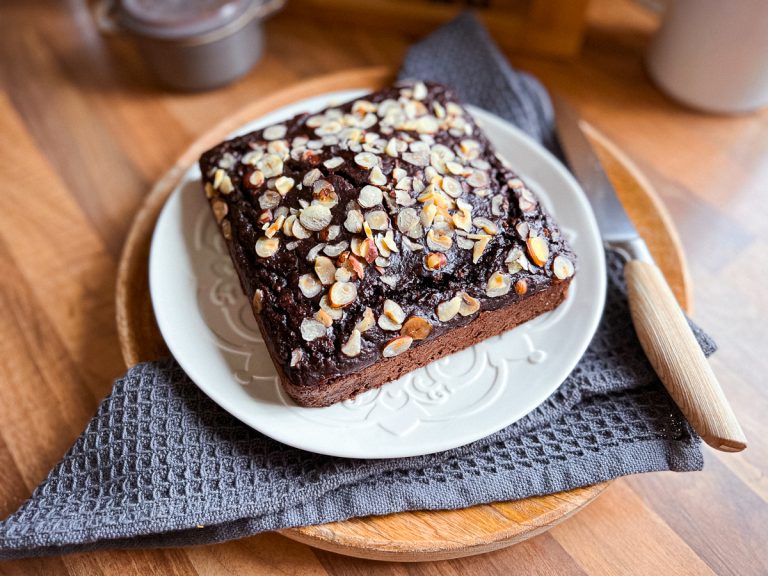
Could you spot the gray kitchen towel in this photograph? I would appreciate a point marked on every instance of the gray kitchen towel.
(162, 465)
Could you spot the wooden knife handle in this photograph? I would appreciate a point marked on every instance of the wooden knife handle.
(677, 358)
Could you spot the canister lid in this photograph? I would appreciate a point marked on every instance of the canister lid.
(176, 19)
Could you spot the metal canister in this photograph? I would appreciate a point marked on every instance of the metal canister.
(191, 44)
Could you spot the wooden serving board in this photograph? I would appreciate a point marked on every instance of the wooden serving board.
(406, 536)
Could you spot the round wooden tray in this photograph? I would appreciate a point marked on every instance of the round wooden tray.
(406, 536)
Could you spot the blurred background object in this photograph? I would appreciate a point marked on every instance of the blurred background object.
(540, 27)
(191, 44)
(713, 55)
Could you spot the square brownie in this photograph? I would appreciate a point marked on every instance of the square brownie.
(379, 235)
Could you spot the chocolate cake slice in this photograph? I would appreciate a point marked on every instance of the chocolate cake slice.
(379, 235)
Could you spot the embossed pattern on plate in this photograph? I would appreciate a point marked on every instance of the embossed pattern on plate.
(208, 325)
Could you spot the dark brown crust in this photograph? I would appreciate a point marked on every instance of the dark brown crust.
(486, 325)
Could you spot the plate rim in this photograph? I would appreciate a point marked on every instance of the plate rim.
(220, 397)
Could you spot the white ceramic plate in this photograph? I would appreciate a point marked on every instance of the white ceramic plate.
(208, 326)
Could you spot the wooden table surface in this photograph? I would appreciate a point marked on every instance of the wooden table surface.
(83, 134)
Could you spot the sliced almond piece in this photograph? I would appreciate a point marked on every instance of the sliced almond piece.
(416, 327)
(357, 267)
(296, 355)
(497, 205)
(315, 217)
(478, 179)
(435, 260)
(469, 305)
(368, 250)
(397, 346)
(335, 313)
(332, 232)
(447, 310)
(377, 220)
(377, 177)
(439, 240)
(366, 322)
(354, 221)
(370, 196)
(220, 210)
(393, 310)
(325, 270)
(388, 242)
(266, 247)
(538, 248)
(226, 229)
(284, 184)
(527, 200)
(407, 219)
(309, 285)
(226, 186)
(486, 225)
(323, 317)
(562, 267)
(298, 231)
(314, 251)
(479, 248)
(274, 132)
(452, 187)
(218, 178)
(384, 252)
(498, 285)
(271, 165)
(312, 329)
(353, 344)
(288, 225)
(386, 323)
(463, 220)
(342, 294)
(258, 300)
(270, 199)
(521, 287)
(335, 249)
(454, 167)
(428, 215)
(334, 162)
(343, 274)
(311, 177)
(274, 227)
(367, 160)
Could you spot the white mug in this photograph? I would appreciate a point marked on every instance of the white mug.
(713, 54)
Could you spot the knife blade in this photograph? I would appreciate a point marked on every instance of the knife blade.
(616, 228)
(661, 326)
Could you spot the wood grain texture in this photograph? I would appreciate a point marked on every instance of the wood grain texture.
(85, 132)
(677, 358)
(410, 536)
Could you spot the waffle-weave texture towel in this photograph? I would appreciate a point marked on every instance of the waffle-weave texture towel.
(161, 465)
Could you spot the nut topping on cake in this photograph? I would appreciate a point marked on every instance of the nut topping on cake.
(312, 329)
(469, 305)
(447, 310)
(397, 346)
(416, 327)
(353, 344)
(538, 250)
(562, 267)
(498, 285)
(342, 294)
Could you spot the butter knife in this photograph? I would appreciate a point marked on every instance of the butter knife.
(660, 324)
